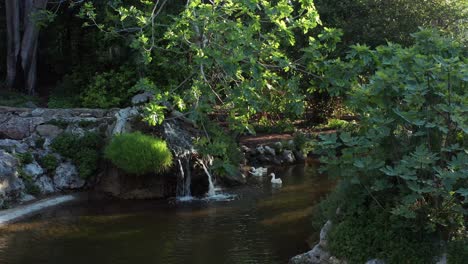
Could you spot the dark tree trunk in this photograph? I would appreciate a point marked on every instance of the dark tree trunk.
(22, 41)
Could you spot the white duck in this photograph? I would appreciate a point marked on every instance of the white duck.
(274, 180)
(258, 172)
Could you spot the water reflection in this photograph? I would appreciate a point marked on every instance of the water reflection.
(261, 226)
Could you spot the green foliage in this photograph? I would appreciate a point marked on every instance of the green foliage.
(39, 142)
(222, 147)
(334, 123)
(457, 251)
(13, 99)
(374, 22)
(408, 153)
(303, 143)
(137, 153)
(372, 234)
(109, 89)
(83, 151)
(29, 185)
(49, 162)
(25, 158)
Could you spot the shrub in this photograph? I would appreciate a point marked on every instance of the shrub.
(25, 158)
(49, 162)
(109, 89)
(83, 151)
(405, 157)
(457, 251)
(29, 185)
(39, 142)
(137, 153)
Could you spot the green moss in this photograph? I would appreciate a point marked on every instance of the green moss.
(137, 153)
(83, 151)
(49, 162)
(29, 185)
(25, 158)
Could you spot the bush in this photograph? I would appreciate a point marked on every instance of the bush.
(373, 235)
(25, 158)
(457, 251)
(83, 151)
(137, 153)
(49, 162)
(109, 89)
(29, 185)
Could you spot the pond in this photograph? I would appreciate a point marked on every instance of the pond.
(262, 225)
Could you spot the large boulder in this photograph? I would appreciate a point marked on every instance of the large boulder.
(317, 255)
(33, 170)
(66, 177)
(49, 131)
(12, 145)
(19, 127)
(11, 185)
(45, 185)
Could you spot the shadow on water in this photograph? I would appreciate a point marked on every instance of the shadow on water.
(263, 225)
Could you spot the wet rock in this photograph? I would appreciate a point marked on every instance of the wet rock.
(27, 198)
(45, 184)
(11, 185)
(66, 177)
(288, 156)
(278, 146)
(316, 256)
(49, 131)
(12, 145)
(142, 98)
(260, 150)
(299, 155)
(234, 179)
(33, 169)
(270, 151)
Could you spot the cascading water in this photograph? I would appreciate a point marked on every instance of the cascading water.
(215, 193)
(184, 182)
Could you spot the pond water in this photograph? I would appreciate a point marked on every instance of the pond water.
(262, 225)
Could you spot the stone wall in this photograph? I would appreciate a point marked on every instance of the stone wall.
(30, 132)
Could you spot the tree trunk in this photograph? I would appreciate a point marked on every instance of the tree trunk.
(22, 46)
(12, 8)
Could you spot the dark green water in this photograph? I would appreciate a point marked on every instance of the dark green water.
(263, 225)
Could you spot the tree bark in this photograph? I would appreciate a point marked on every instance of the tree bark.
(22, 46)
(13, 40)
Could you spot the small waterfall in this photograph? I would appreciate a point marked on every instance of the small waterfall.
(211, 187)
(184, 182)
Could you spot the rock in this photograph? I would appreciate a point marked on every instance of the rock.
(324, 233)
(375, 261)
(299, 155)
(30, 104)
(27, 198)
(142, 98)
(442, 259)
(11, 185)
(45, 184)
(260, 150)
(245, 149)
(18, 127)
(277, 161)
(66, 177)
(49, 131)
(122, 118)
(270, 151)
(236, 179)
(316, 256)
(288, 156)
(12, 145)
(278, 146)
(33, 169)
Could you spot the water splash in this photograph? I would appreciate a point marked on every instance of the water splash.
(215, 193)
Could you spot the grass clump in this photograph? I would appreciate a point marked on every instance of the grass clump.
(137, 153)
(25, 158)
(49, 162)
(83, 151)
